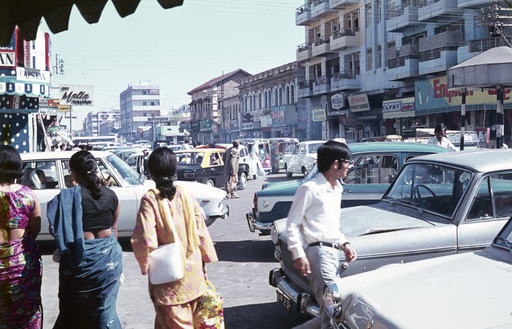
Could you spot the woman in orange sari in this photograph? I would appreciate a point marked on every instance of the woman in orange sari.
(174, 302)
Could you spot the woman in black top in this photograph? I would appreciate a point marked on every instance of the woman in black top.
(83, 220)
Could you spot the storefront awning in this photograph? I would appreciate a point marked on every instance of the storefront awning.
(27, 14)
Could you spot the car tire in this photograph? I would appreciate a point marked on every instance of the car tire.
(305, 172)
(210, 182)
(242, 181)
(288, 174)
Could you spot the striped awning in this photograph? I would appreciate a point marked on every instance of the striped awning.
(27, 14)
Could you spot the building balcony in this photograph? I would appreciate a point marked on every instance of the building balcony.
(448, 39)
(343, 4)
(486, 44)
(472, 4)
(303, 52)
(437, 60)
(402, 68)
(305, 88)
(321, 85)
(320, 47)
(303, 15)
(345, 80)
(439, 11)
(320, 8)
(346, 39)
(401, 18)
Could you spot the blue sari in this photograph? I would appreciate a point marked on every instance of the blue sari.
(89, 270)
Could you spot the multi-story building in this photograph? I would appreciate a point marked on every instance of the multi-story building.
(270, 105)
(208, 107)
(377, 67)
(102, 123)
(139, 104)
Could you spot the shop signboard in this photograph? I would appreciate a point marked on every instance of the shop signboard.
(398, 108)
(205, 125)
(433, 93)
(337, 101)
(359, 103)
(266, 121)
(7, 59)
(318, 115)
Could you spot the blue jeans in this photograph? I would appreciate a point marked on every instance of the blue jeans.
(325, 267)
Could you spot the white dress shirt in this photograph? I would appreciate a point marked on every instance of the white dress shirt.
(445, 142)
(314, 215)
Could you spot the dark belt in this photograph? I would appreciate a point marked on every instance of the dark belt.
(326, 244)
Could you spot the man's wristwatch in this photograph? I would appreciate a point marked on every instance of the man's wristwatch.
(343, 245)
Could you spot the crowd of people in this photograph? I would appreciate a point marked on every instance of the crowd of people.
(83, 221)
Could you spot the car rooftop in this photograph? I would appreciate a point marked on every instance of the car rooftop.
(482, 160)
(58, 155)
(394, 146)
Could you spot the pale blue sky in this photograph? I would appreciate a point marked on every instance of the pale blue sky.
(177, 49)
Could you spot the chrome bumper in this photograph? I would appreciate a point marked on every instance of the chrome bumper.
(254, 225)
(302, 300)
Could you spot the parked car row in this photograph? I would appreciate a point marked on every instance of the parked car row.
(439, 205)
(48, 172)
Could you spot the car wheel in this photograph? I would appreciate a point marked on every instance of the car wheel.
(242, 181)
(288, 174)
(210, 182)
(305, 172)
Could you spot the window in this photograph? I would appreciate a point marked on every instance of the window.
(379, 56)
(40, 175)
(494, 190)
(373, 169)
(368, 11)
(369, 59)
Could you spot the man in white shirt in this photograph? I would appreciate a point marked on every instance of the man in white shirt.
(440, 139)
(314, 219)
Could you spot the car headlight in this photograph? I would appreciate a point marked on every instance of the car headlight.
(332, 301)
(274, 234)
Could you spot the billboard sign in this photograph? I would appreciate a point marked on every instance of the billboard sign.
(80, 95)
(359, 103)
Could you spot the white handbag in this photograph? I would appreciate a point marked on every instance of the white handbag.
(166, 262)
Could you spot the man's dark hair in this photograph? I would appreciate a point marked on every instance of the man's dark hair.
(330, 152)
(439, 127)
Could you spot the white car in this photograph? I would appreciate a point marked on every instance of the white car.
(470, 290)
(47, 172)
(303, 158)
(246, 158)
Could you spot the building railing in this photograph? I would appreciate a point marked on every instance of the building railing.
(303, 47)
(320, 41)
(345, 33)
(399, 10)
(488, 43)
(345, 74)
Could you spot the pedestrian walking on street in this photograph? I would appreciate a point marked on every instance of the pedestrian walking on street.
(440, 138)
(176, 301)
(314, 221)
(231, 161)
(20, 257)
(83, 222)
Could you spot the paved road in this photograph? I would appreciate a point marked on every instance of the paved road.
(241, 275)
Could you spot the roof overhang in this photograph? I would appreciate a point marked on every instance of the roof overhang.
(27, 14)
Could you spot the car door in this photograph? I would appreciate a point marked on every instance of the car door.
(216, 168)
(491, 206)
(296, 158)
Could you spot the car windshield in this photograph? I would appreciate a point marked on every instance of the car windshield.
(190, 157)
(430, 187)
(312, 148)
(130, 176)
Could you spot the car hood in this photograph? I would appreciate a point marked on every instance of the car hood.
(281, 188)
(462, 291)
(373, 219)
(202, 191)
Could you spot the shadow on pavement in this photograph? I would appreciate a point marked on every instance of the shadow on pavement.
(268, 315)
(245, 251)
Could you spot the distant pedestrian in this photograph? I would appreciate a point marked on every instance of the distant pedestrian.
(232, 159)
(440, 138)
(176, 301)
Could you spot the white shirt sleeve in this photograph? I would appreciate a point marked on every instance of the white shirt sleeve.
(295, 221)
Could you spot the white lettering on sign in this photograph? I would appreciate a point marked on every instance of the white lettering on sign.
(7, 59)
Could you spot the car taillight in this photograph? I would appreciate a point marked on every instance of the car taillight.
(189, 175)
(255, 202)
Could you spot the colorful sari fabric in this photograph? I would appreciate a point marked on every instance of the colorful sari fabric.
(20, 265)
(150, 232)
(88, 293)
